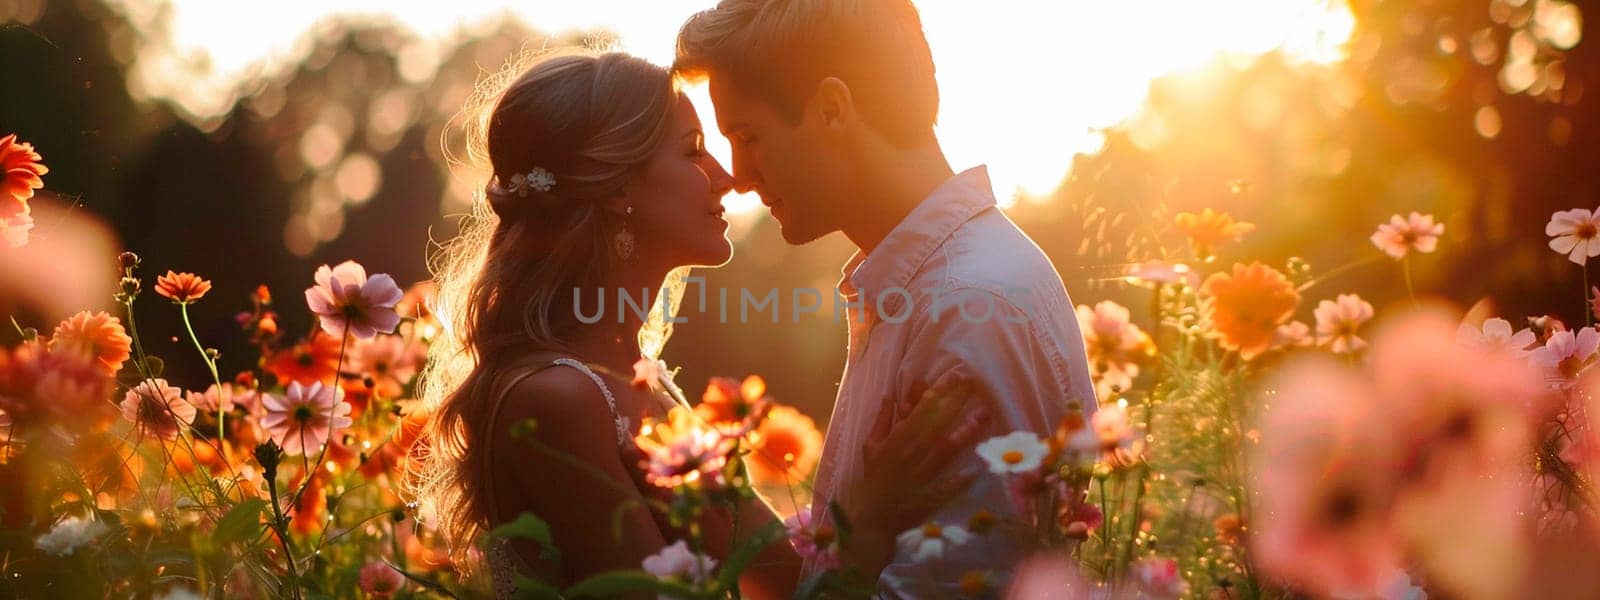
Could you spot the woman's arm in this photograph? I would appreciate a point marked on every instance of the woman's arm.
(571, 475)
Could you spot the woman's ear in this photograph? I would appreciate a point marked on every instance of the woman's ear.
(619, 205)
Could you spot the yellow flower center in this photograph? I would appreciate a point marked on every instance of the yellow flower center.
(932, 530)
(1012, 457)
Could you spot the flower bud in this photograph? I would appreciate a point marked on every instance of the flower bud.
(128, 261)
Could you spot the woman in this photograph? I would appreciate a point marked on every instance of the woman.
(600, 181)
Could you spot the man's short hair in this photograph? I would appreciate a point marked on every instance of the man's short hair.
(777, 51)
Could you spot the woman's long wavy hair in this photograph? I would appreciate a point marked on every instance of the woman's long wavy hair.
(505, 282)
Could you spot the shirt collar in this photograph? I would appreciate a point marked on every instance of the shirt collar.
(897, 258)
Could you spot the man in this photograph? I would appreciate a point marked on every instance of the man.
(830, 108)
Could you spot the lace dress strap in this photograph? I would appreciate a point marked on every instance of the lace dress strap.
(504, 562)
(621, 422)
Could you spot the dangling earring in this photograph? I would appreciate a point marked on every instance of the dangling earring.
(623, 241)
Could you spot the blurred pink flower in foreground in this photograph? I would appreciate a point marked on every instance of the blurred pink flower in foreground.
(345, 298)
(157, 408)
(1575, 233)
(1159, 578)
(1400, 236)
(1415, 458)
(306, 417)
(1339, 322)
(1051, 577)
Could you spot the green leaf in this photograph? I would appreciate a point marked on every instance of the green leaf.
(426, 583)
(241, 523)
(840, 521)
(530, 589)
(613, 583)
(747, 551)
(529, 527)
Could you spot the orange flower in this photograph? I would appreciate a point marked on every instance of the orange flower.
(309, 361)
(733, 407)
(37, 383)
(784, 448)
(20, 172)
(1249, 305)
(312, 508)
(1211, 229)
(182, 288)
(99, 336)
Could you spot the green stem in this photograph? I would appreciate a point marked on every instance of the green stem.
(279, 524)
(309, 472)
(1338, 270)
(183, 309)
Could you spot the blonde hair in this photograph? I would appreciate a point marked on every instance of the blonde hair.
(778, 50)
(505, 281)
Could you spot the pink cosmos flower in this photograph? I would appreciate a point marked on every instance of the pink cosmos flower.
(1338, 323)
(679, 563)
(1115, 346)
(819, 543)
(157, 408)
(682, 450)
(380, 580)
(346, 299)
(1565, 355)
(1496, 337)
(1294, 334)
(391, 360)
(1415, 233)
(1159, 578)
(1464, 421)
(1325, 480)
(306, 417)
(1575, 233)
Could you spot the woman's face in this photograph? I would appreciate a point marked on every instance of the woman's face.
(677, 199)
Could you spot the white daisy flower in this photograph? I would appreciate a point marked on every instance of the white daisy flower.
(1016, 452)
(931, 540)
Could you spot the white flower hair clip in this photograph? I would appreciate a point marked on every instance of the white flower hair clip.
(537, 179)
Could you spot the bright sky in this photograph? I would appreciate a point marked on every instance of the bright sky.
(1024, 83)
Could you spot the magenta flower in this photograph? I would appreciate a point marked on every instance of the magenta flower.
(157, 408)
(306, 417)
(346, 299)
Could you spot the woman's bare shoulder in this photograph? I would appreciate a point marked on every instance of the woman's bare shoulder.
(562, 401)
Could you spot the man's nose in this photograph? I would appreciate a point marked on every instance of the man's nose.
(745, 178)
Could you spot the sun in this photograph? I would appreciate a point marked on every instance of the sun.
(1024, 85)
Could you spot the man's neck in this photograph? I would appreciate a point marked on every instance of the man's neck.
(892, 187)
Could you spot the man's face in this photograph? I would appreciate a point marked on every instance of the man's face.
(790, 165)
